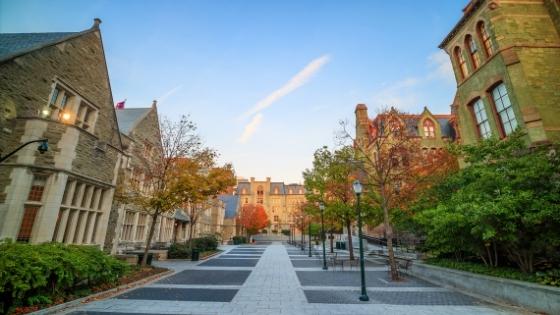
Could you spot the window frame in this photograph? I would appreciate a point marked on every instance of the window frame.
(496, 112)
(473, 54)
(477, 124)
(485, 38)
(426, 123)
(461, 62)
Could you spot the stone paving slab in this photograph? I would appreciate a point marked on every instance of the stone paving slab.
(393, 298)
(352, 278)
(246, 251)
(313, 263)
(238, 256)
(224, 277)
(230, 262)
(174, 294)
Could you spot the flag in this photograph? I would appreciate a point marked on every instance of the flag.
(120, 105)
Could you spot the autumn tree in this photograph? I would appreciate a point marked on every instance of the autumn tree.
(199, 180)
(158, 193)
(392, 166)
(253, 218)
(330, 182)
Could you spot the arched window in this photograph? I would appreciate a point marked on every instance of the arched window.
(429, 128)
(461, 62)
(276, 191)
(481, 117)
(485, 39)
(473, 51)
(260, 193)
(504, 109)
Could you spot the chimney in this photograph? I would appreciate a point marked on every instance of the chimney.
(252, 179)
(154, 103)
(362, 123)
(268, 179)
(96, 23)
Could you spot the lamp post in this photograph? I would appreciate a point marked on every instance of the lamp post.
(43, 147)
(358, 191)
(322, 208)
(309, 232)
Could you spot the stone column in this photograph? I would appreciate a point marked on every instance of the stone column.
(45, 222)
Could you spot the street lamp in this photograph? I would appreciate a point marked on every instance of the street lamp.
(309, 231)
(358, 190)
(322, 208)
(42, 148)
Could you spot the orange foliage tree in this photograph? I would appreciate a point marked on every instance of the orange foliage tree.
(253, 218)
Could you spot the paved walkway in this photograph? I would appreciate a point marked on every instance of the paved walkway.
(232, 284)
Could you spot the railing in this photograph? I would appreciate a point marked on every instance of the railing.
(407, 246)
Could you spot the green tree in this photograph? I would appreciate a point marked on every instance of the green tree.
(504, 204)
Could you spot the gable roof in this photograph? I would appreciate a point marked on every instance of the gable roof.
(13, 45)
(231, 202)
(412, 121)
(128, 118)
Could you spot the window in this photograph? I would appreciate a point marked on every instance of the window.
(473, 51)
(276, 218)
(504, 108)
(128, 225)
(461, 62)
(37, 189)
(141, 226)
(481, 119)
(26, 227)
(80, 213)
(58, 103)
(485, 39)
(86, 116)
(429, 128)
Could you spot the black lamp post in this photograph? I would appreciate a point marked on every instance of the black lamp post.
(358, 190)
(322, 208)
(309, 231)
(43, 147)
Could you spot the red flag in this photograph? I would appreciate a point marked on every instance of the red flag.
(120, 105)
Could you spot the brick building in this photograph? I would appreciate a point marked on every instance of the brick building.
(56, 86)
(280, 200)
(506, 59)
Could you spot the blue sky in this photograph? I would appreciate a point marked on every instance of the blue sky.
(265, 81)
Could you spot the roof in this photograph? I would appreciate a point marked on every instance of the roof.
(280, 186)
(13, 45)
(468, 12)
(444, 121)
(231, 202)
(243, 185)
(181, 216)
(128, 118)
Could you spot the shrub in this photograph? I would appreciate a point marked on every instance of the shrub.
(274, 231)
(179, 251)
(205, 243)
(239, 240)
(286, 232)
(35, 274)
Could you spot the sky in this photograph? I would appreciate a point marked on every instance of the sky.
(266, 82)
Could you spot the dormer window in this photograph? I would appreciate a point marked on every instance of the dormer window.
(461, 63)
(429, 129)
(473, 51)
(485, 39)
(58, 104)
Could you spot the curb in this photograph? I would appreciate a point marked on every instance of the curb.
(106, 294)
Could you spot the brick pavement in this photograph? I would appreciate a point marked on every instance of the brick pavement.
(273, 287)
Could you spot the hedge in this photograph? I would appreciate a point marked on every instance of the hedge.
(239, 240)
(37, 274)
(183, 251)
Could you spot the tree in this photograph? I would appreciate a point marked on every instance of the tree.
(503, 207)
(392, 167)
(159, 192)
(330, 182)
(253, 218)
(198, 182)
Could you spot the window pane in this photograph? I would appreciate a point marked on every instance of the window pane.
(26, 226)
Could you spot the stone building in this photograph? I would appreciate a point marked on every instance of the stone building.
(280, 200)
(506, 59)
(56, 86)
(129, 225)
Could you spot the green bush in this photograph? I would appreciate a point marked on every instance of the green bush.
(205, 243)
(274, 231)
(286, 232)
(239, 240)
(36, 274)
(179, 251)
(201, 244)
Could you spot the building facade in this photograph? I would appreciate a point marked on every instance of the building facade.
(506, 60)
(56, 86)
(280, 200)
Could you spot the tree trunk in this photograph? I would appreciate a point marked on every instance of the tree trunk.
(332, 241)
(149, 239)
(390, 252)
(350, 247)
(191, 231)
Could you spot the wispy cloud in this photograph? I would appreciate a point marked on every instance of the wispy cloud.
(250, 128)
(167, 94)
(294, 83)
(441, 67)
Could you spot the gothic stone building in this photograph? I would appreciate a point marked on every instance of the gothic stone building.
(506, 59)
(56, 86)
(280, 200)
